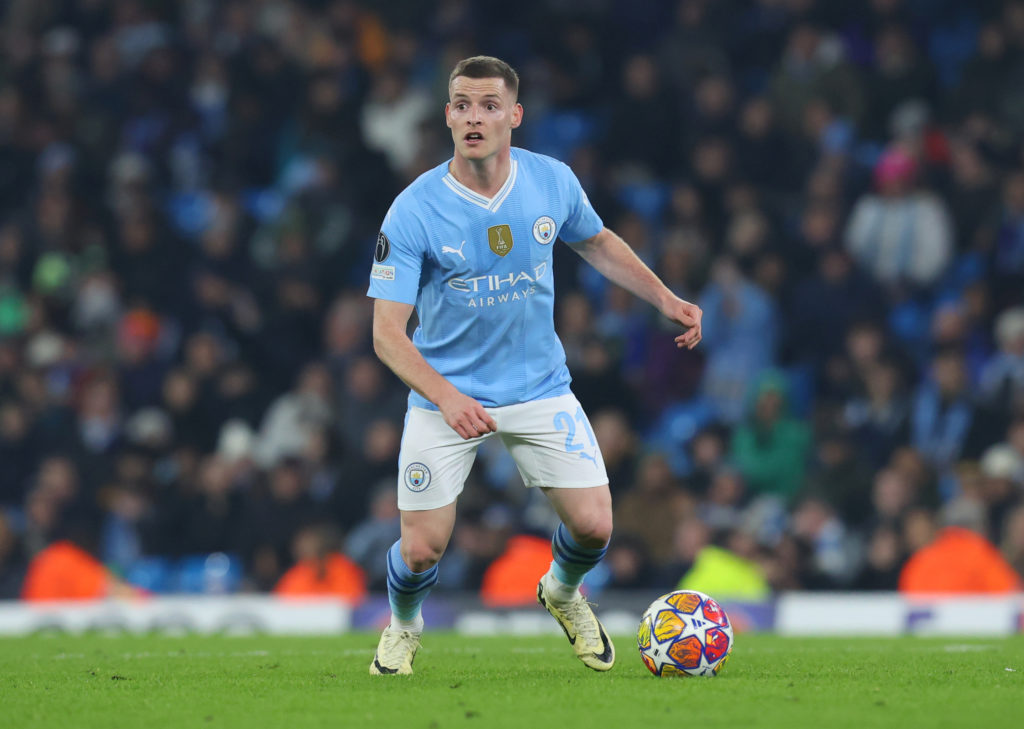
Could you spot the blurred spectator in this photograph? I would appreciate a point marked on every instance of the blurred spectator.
(834, 552)
(892, 496)
(958, 561)
(1002, 380)
(644, 124)
(12, 561)
(629, 564)
(68, 570)
(1007, 244)
(878, 418)
(365, 395)
(813, 66)
(17, 452)
(291, 418)
(708, 450)
(826, 304)
(901, 235)
(771, 447)
(478, 540)
(943, 417)
(391, 116)
(511, 579)
(210, 516)
(765, 152)
(899, 74)
(371, 538)
(722, 507)
(972, 188)
(371, 461)
(127, 511)
(1002, 487)
(320, 570)
(840, 477)
(740, 340)
(270, 519)
(1013, 539)
(884, 561)
(140, 372)
(689, 538)
(724, 573)
(618, 445)
(599, 384)
(654, 484)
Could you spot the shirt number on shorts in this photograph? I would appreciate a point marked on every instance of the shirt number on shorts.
(564, 421)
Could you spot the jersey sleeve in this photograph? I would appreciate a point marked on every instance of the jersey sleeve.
(582, 221)
(397, 257)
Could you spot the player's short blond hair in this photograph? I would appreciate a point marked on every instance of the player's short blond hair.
(486, 67)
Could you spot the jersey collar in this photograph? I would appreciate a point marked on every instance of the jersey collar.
(487, 203)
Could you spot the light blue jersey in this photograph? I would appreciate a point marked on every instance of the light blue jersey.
(479, 272)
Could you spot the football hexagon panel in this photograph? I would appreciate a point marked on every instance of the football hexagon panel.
(643, 634)
(716, 644)
(721, 665)
(686, 652)
(668, 625)
(713, 612)
(686, 602)
(669, 670)
(649, 662)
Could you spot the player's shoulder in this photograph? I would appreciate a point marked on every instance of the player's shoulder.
(418, 192)
(526, 158)
(406, 219)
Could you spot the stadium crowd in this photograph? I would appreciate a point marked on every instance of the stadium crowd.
(189, 197)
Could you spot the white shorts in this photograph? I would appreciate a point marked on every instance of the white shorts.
(550, 440)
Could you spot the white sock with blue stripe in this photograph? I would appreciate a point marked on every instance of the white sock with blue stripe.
(571, 564)
(407, 590)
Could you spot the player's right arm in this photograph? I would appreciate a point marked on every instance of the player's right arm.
(391, 342)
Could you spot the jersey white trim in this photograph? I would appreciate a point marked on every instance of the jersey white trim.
(487, 203)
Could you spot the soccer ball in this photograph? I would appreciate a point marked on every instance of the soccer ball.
(684, 633)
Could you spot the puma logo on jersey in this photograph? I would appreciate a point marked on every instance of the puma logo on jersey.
(456, 251)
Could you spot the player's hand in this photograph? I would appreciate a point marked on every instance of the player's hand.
(466, 416)
(689, 317)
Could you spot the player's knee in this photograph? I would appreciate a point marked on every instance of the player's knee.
(592, 531)
(420, 555)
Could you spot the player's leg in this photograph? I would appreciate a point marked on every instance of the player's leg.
(411, 573)
(581, 539)
(412, 563)
(577, 546)
(433, 465)
(555, 449)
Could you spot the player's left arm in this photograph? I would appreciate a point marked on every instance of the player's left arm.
(613, 257)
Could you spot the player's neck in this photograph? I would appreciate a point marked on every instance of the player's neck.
(485, 176)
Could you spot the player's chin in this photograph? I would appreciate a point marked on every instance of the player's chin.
(473, 151)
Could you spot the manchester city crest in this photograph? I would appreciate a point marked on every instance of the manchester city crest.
(544, 230)
(417, 477)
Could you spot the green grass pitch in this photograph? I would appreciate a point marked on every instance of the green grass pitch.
(263, 681)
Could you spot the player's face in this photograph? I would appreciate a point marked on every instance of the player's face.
(481, 114)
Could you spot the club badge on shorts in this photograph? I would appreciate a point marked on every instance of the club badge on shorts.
(417, 477)
(544, 230)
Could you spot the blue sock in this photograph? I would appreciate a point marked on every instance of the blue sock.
(572, 562)
(407, 589)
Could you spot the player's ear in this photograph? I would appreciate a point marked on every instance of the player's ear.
(517, 115)
(448, 115)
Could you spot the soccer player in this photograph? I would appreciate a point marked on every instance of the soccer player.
(469, 246)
